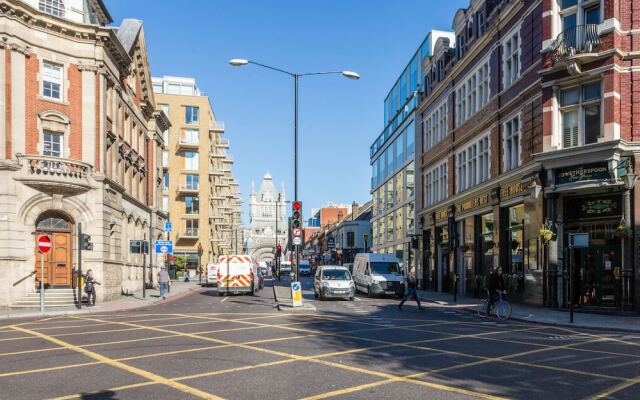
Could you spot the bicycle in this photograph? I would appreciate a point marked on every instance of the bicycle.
(502, 308)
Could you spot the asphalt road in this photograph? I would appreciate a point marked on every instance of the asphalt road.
(241, 347)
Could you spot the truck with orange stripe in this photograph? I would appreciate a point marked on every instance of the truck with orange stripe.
(237, 274)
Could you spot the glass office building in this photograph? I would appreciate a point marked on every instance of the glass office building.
(392, 159)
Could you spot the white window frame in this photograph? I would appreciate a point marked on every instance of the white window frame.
(436, 184)
(473, 164)
(435, 127)
(52, 134)
(512, 140)
(580, 108)
(56, 8)
(53, 73)
(192, 163)
(191, 136)
(578, 9)
(473, 93)
(193, 121)
(511, 60)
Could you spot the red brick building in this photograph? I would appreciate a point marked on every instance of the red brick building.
(80, 142)
(527, 124)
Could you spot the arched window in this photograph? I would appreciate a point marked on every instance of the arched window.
(53, 7)
(53, 221)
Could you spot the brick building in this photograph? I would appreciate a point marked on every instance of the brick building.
(480, 124)
(527, 124)
(80, 142)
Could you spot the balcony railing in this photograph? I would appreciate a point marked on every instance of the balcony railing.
(188, 143)
(217, 126)
(582, 39)
(55, 175)
(223, 143)
(188, 189)
(189, 233)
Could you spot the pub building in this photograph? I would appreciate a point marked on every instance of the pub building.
(497, 225)
(592, 193)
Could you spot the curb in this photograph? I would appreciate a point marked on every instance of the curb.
(86, 310)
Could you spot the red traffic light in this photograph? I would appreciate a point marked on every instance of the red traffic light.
(297, 205)
(278, 247)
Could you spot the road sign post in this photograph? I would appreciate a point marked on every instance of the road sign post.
(44, 246)
(296, 232)
(296, 294)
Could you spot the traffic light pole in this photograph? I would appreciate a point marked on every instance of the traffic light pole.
(295, 167)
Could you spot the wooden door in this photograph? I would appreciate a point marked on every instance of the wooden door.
(57, 263)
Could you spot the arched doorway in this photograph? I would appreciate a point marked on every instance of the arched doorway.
(57, 263)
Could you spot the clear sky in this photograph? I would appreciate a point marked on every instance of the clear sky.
(339, 118)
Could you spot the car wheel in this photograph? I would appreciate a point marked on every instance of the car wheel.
(350, 298)
(315, 294)
(321, 296)
(220, 294)
(369, 294)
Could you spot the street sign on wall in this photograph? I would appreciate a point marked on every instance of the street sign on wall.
(331, 243)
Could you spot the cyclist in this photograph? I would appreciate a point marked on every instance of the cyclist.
(496, 285)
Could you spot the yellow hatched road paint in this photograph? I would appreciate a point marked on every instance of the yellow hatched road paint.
(140, 372)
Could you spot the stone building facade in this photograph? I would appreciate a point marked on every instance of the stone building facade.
(267, 219)
(80, 143)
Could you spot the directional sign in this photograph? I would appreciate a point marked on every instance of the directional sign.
(297, 241)
(331, 243)
(296, 294)
(44, 244)
(164, 246)
(168, 226)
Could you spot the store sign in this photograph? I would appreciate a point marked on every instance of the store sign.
(578, 173)
(442, 214)
(593, 207)
(473, 203)
(511, 190)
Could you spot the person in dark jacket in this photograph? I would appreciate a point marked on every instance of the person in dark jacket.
(411, 289)
(89, 288)
(496, 284)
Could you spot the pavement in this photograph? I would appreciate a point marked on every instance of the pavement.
(200, 345)
(522, 312)
(135, 300)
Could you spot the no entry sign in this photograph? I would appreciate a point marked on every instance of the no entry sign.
(44, 244)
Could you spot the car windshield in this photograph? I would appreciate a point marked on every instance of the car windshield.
(385, 268)
(336, 275)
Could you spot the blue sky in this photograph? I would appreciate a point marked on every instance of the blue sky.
(339, 118)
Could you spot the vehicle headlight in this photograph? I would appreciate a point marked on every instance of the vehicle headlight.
(351, 284)
(325, 284)
(375, 282)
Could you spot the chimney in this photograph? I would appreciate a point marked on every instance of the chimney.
(354, 209)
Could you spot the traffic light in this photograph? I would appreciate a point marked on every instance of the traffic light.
(278, 251)
(296, 221)
(86, 242)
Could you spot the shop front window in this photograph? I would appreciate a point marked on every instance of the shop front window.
(514, 273)
(487, 245)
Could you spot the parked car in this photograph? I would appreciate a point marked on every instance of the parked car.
(333, 281)
(349, 266)
(378, 274)
(305, 268)
(264, 268)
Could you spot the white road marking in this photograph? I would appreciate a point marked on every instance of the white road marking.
(225, 299)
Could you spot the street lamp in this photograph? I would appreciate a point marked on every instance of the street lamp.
(239, 62)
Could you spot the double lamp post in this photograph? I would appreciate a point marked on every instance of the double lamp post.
(239, 62)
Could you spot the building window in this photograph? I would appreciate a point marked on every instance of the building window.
(411, 140)
(52, 144)
(436, 185)
(157, 88)
(511, 59)
(192, 227)
(511, 146)
(191, 205)
(434, 127)
(410, 181)
(52, 81)
(52, 7)
(581, 114)
(165, 109)
(165, 182)
(191, 182)
(191, 136)
(398, 146)
(351, 240)
(191, 160)
(165, 158)
(165, 203)
(473, 94)
(192, 115)
(165, 137)
(473, 165)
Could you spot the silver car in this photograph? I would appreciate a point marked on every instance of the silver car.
(333, 281)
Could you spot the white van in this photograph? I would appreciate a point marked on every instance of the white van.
(237, 274)
(211, 277)
(378, 274)
(285, 268)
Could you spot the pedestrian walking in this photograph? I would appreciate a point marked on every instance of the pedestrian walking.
(186, 275)
(89, 288)
(163, 282)
(200, 271)
(411, 289)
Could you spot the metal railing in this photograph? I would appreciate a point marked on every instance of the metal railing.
(577, 40)
(190, 232)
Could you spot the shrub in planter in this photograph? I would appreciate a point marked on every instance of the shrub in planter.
(623, 231)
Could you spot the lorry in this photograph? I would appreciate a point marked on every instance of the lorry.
(237, 274)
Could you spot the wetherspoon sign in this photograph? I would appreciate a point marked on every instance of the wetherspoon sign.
(587, 172)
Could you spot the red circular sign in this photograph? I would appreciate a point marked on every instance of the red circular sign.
(44, 244)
